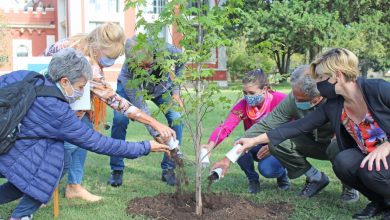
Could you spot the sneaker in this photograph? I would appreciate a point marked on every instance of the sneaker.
(283, 182)
(313, 187)
(115, 178)
(169, 177)
(371, 210)
(349, 195)
(254, 187)
(386, 216)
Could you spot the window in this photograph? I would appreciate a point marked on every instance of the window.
(194, 4)
(154, 6)
(22, 51)
(94, 24)
(104, 6)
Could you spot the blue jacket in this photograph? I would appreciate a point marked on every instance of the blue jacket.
(35, 166)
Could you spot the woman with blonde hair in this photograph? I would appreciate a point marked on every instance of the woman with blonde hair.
(102, 47)
(359, 112)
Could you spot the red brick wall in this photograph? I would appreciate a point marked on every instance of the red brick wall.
(37, 36)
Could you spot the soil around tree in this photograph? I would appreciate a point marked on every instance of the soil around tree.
(215, 206)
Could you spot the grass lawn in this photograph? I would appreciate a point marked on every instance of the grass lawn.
(142, 178)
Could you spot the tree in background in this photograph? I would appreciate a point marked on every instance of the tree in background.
(241, 60)
(366, 31)
(286, 27)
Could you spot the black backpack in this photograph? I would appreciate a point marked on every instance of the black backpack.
(15, 100)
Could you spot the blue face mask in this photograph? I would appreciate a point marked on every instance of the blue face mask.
(254, 100)
(304, 105)
(106, 62)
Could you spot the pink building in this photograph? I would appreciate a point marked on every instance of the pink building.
(34, 26)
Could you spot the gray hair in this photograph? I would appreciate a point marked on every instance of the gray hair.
(139, 52)
(71, 64)
(302, 80)
(130, 43)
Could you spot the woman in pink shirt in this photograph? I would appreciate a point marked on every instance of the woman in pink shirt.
(258, 101)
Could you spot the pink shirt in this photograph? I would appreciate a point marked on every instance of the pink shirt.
(237, 114)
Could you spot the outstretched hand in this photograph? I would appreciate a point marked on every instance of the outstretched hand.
(165, 132)
(246, 144)
(223, 164)
(157, 147)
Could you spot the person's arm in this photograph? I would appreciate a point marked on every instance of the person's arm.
(104, 91)
(138, 100)
(226, 128)
(281, 114)
(71, 129)
(293, 129)
(289, 130)
(384, 92)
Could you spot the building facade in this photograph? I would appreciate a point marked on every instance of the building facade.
(35, 24)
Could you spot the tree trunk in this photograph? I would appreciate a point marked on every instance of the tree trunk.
(277, 60)
(283, 64)
(198, 136)
(364, 67)
(233, 76)
(313, 52)
(198, 125)
(288, 61)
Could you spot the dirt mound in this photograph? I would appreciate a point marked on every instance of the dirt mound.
(215, 206)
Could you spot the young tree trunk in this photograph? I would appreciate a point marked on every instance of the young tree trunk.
(198, 136)
(198, 127)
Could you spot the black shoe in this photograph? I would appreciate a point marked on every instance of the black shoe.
(313, 187)
(115, 178)
(254, 187)
(283, 182)
(386, 216)
(169, 177)
(371, 210)
(349, 195)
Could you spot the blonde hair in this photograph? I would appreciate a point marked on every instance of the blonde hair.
(108, 36)
(335, 59)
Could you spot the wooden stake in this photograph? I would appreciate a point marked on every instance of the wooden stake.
(55, 201)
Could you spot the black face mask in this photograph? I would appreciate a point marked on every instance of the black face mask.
(327, 89)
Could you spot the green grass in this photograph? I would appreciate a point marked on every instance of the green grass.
(142, 178)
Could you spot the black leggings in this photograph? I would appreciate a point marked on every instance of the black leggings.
(375, 185)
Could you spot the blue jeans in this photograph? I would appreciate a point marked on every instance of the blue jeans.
(120, 123)
(269, 166)
(26, 206)
(75, 159)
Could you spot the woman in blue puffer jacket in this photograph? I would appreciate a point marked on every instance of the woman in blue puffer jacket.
(33, 167)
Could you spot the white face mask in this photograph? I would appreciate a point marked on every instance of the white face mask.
(76, 94)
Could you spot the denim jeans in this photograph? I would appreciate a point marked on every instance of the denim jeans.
(269, 166)
(75, 159)
(120, 123)
(26, 206)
